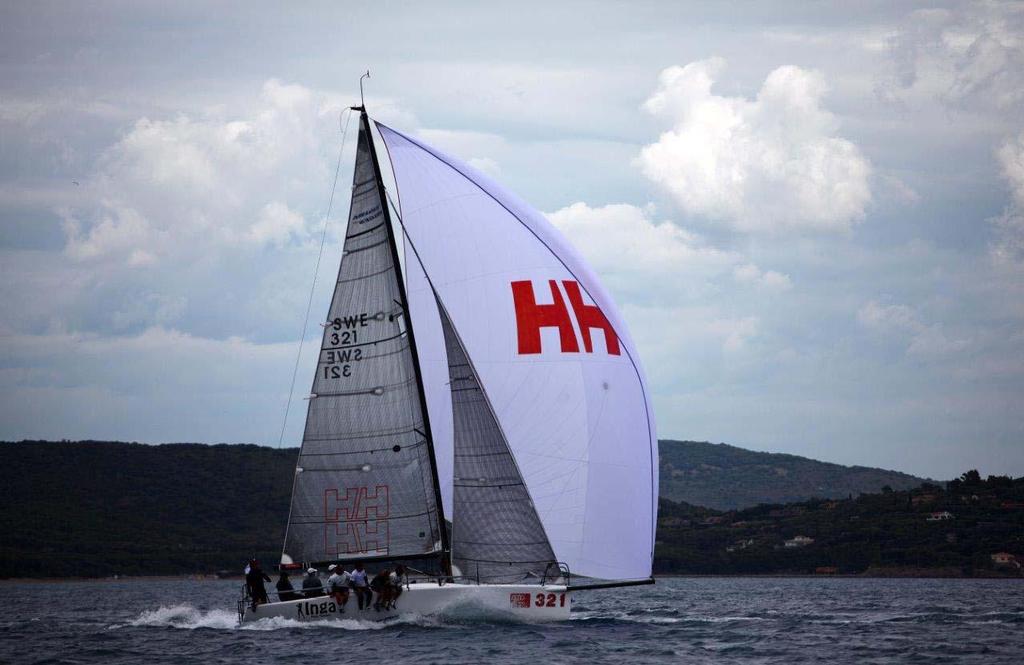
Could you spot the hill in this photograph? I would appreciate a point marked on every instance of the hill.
(101, 508)
(726, 477)
(930, 530)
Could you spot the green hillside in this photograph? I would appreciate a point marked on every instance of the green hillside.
(931, 530)
(102, 508)
(726, 477)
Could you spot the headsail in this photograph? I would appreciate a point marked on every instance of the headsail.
(558, 364)
(365, 484)
(496, 534)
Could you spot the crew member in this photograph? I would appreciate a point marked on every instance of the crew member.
(312, 587)
(396, 579)
(285, 590)
(337, 585)
(381, 585)
(361, 585)
(254, 578)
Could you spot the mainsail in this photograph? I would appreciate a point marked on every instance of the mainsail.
(496, 534)
(547, 342)
(365, 483)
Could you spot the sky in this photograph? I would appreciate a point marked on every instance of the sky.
(811, 215)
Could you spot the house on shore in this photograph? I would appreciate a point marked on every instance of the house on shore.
(1005, 560)
(799, 541)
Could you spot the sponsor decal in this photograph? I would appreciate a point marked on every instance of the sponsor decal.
(531, 316)
(356, 522)
(519, 599)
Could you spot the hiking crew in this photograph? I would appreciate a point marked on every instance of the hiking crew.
(381, 585)
(337, 585)
(395, 580)
(285, 590)
(361, 585)
(312, 587)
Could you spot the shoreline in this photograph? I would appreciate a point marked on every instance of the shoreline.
(199, 577)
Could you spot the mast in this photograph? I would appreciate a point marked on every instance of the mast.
(364, 119)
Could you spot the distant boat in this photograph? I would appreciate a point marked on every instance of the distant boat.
(465, 329)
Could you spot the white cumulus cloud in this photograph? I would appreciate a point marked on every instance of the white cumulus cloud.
(774, 163)
(644, 260)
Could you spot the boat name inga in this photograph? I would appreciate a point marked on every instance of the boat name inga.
(308, 609)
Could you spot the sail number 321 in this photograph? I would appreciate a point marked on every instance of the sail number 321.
(343, 334)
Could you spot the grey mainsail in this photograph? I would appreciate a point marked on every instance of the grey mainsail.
(496, 534)
(365, 485)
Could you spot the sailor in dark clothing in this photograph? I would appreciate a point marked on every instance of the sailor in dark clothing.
(254, 578)
(312, 587)
(381, 585)
(285, 590)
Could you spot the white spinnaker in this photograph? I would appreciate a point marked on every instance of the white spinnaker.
(579, 423)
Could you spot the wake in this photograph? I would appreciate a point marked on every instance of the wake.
(188, 617)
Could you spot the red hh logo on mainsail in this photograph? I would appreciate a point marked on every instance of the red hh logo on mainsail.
(531, 317)
(357, 522)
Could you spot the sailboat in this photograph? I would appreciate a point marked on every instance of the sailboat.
(471, 365)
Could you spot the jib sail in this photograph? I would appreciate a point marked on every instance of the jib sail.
(496, 535)
(365, 485)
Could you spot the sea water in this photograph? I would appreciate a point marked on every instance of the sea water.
(688, 620)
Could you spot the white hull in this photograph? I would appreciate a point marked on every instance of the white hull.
(519, 601)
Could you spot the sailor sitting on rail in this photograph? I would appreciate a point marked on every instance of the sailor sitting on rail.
(396, 579)
(337, 585)
(312, 587)
(380, 584)
(361, 585)
(285, 590)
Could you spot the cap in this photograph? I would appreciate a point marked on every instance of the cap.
(331, 567)
(311, 571)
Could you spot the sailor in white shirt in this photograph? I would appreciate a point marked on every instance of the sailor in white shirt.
(361, 585)
(337, 585)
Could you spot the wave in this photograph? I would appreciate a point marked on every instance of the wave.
(189, 617)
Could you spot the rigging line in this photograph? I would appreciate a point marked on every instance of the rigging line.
(316, 272)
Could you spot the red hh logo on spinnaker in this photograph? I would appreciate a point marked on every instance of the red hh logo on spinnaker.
(356, 523)
(531, 316)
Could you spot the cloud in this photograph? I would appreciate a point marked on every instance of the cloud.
(903, 323)
(972, 56)
(769, 280)
(643, 260)
(183, 214)
(153, 385)
(771, 164)
(1007, 248)
(194, 186)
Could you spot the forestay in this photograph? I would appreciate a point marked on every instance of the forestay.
(363, 484)
(552, 351)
